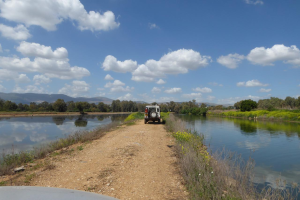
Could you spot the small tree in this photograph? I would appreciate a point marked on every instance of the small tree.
(80, 107)
(60, 106)
(248, 105)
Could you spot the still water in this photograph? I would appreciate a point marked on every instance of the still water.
(24, 133)
(275, 146)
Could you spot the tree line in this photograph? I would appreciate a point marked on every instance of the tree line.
(116, 106)
(58, 106)
(275, 103)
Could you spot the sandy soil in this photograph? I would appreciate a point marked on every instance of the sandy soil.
(132, 162)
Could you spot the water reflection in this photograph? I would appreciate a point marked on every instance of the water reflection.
(26, 132)
(275, 146)
(58, 120)
(247, 128)
(81, 122)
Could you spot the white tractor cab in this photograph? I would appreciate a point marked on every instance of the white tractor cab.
(152, 113)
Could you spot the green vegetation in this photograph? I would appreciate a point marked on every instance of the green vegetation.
(2, 183)
(164, 116)
(286, 115)
(275, 103)
(80, 148)
(190, 107)
(29, 177)
(251, 126)
(60, 106)
(248, 105)
(134, 116)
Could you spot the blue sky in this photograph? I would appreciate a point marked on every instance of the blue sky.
(212, 51)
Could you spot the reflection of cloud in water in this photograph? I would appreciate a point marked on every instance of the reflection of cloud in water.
(255, 144)
(37, 137)
(11, 138)
(68, 128)
(275, 179)
(27, 126)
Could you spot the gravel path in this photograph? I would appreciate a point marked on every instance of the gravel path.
(132, 162)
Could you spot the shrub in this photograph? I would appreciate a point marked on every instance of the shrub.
(248, 105)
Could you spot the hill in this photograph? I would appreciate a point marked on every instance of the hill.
(26, 98)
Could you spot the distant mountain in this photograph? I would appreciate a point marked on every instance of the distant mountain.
(26, 98)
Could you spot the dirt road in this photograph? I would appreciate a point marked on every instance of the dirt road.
(132, 162)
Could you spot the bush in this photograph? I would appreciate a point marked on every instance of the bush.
(134, 116)
(248, 105)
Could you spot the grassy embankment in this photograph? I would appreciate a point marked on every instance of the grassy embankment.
(279, 115)
(223, 175)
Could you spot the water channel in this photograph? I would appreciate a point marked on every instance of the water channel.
(274, 146)
(23, 133)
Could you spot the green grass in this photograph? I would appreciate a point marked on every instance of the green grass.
(55, 154)
(164, 116)
(286, 115)
(133, 116)
(29, 177)
(80, 148)
(130, 123)
(2, 183)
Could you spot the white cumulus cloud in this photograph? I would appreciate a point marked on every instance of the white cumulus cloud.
(121, 89)
(1, 48)
(156, 90)
(112, 64)
(22, 78)
(251, 83)
(192, 96)
(153, 26)
(49, 13)
(279, 52)
(176, 62)
(29, 89)
(41, 79)
(203, 90)
(53, 64)
(230, 61)
(254, 2)
(38, 50)
(127, 97)
(113, 84)
(265, 90)
(160, 82)
(76, 89)
(173, 90)
(20, 32)
(108, 77)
